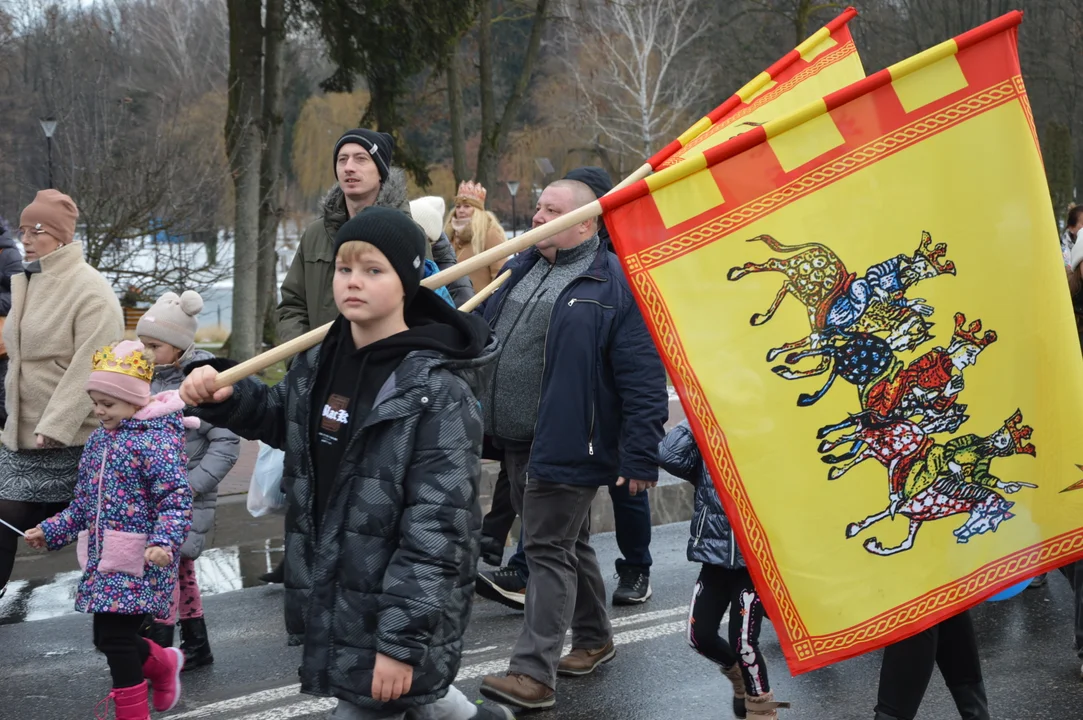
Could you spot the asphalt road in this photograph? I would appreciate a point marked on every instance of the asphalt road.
(49, 671)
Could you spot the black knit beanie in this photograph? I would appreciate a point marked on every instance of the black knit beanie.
(379, 145)
(393, 233)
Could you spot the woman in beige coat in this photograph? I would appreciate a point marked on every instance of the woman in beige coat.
(62, 311)
(473, 230)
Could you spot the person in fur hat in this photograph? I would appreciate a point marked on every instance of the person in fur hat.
(168, 331)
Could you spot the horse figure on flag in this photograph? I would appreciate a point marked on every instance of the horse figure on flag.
(927, 386)
(858, 325)
(931, 481)
(839, 302)
(897, 443)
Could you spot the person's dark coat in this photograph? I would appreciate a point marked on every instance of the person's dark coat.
(11, 263)
(712, 540)
(603, 400)
(391, 568)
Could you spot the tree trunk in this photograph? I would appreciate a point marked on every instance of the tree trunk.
(1057, 153)
(271, 176)
(455, 116)
(1078, 189)
(484, 169)
(244, 145)
(800, 21)
(493, 133)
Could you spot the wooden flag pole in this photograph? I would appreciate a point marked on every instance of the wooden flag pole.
(641, 172)
(440, 279)
(485, 292)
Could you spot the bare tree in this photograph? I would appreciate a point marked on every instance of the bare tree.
(497, 123)
(455, 115)
(798, 13)
(638, 73)
(244, 139)
(272, 179)
(130, 149)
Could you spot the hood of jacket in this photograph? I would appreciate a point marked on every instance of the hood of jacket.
(392, 194)
(438, 334)
(171, 376)
(161, 415)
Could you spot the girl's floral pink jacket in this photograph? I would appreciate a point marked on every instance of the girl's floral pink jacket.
(132, 493)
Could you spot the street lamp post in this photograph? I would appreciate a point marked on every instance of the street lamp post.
(513, 188)
(48, 126)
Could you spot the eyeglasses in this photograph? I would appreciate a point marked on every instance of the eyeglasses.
(21, 233)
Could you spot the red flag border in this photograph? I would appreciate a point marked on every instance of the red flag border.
(734, 101)
(835, 56)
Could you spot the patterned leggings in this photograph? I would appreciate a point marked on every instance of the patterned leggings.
(717, 590)
(186, 597)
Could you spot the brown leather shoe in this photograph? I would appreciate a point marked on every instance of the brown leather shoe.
(519, 690)
(581, 661)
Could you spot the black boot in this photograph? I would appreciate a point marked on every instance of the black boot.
(194, 644)
(971, 702)
(276, 576)
(884, 716)
(160, 633)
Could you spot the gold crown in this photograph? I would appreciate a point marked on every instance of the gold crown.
(134, 364)
(472, 191)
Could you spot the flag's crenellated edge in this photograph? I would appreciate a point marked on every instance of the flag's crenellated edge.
(751, 88)
(774, 128)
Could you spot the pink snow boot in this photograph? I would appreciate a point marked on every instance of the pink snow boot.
(129, 703)
(163, 669)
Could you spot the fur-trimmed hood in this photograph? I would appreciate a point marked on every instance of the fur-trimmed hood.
(392, 194)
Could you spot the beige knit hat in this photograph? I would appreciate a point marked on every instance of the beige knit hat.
(172, 319)
(428, 212)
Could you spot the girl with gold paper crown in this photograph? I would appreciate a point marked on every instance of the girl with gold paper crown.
(130, 515)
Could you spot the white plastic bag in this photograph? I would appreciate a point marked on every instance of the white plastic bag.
(265, 490)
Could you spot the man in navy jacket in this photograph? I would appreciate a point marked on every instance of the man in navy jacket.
(578, 397)
(631, 513)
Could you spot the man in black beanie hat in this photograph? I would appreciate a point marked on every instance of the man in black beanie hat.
(365, 177)
(362, 162)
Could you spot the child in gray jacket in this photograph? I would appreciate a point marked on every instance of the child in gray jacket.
(168, 331)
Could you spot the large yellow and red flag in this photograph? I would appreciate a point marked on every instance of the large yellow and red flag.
(826, 61)
(862, 307)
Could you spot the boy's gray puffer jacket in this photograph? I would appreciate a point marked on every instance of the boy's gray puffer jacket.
(392, 566)
(212, 453)
(712, 540)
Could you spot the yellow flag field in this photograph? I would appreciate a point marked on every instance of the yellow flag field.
(861, 305)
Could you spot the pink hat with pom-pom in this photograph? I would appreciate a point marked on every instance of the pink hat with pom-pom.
(122, 371)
